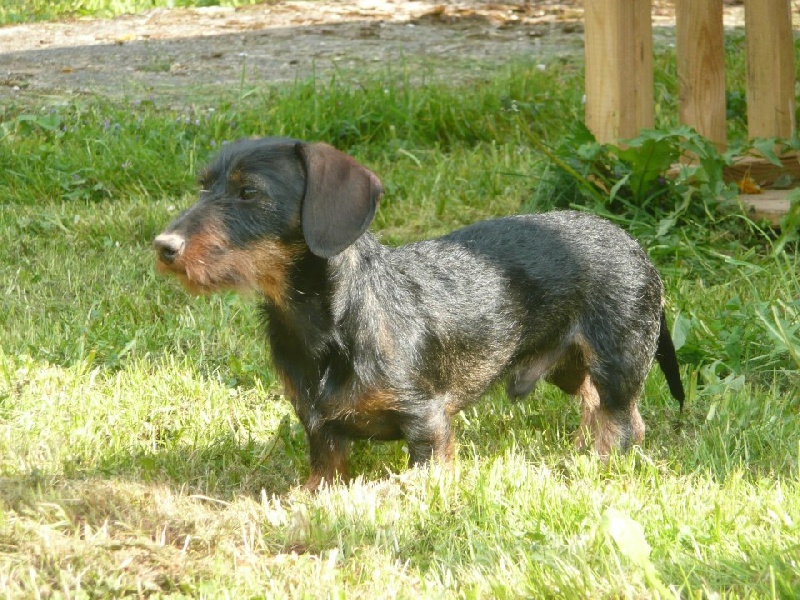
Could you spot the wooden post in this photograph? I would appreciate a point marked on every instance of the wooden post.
(643, 67)
(619, 68)
(701, 67)
(770, 68)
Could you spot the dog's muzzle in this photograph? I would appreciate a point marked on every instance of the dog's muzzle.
(169, 247)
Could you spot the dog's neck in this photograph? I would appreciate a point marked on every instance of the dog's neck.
(323, 294)
(331, 311)
(352, 271)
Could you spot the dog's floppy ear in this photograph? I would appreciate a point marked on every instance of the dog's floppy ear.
(340, 199)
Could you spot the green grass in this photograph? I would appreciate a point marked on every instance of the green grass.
(24, 11)
(146, 448)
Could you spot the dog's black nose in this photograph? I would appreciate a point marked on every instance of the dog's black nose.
(169, 246)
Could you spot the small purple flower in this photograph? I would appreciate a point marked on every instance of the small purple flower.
(213, 143)
(106, 124)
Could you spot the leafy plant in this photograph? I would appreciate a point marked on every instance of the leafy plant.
(657, 172)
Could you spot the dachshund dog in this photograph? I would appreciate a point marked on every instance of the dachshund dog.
(389, 343)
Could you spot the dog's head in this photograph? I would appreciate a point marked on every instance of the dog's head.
(262, 204)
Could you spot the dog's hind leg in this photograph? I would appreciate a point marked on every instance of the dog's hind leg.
(608, 427)
(609, 415)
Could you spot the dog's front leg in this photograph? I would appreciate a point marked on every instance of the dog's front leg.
(328, 458)
(429, 437)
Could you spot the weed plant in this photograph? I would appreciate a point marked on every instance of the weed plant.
(147, 449)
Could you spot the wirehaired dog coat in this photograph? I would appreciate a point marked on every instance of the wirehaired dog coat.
(389, 343)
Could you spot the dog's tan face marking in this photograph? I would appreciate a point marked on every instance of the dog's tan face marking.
(208, 263)
(590, 403)
(637, 425)
(236, 178)
(243, 233)
(190, 260)
(264, 267)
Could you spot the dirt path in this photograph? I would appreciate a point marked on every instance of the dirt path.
(168, 51)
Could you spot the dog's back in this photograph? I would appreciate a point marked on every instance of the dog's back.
(520, 295)
(568, 269)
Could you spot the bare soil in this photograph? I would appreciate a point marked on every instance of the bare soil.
(172, 51)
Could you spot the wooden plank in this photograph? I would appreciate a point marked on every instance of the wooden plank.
(701, 67)
(770, 69)
(763, 172)
(771, 205)
(619, 73)
(760, 170)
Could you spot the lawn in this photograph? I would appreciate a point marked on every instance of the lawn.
(146, 447)
(43, 10)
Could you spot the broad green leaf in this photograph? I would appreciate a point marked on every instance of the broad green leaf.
(628, 536)
(767, 149)
(680, 331)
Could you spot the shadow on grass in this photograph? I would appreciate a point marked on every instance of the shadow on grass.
(227, 467)
(223, 470)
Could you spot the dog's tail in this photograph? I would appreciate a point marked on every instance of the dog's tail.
(668, 361)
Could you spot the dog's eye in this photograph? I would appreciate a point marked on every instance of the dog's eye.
(248, 193)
